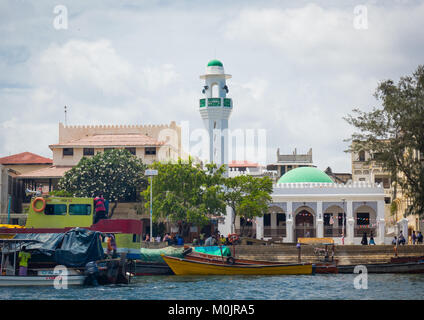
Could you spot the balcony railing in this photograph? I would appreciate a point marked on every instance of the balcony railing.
(216, 102)
(275, 232)
(333, 231)
(359, 232)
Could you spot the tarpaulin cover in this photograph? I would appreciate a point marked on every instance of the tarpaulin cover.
(154, 255)
(74, 248)
(214, 250)
(79, 247)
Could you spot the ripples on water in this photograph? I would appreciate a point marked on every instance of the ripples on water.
(332, 287)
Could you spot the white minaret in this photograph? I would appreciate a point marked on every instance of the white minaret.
(215, 110)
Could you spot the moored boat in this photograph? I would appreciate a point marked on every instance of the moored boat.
(190, 267)
(402, 267)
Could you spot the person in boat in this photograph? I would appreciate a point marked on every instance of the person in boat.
(364, 240)
(23, 257)
(223, 240)
(372, 242)
(99, 204)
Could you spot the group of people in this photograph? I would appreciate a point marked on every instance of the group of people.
(415, 238)
(364, 240)
(171, 239)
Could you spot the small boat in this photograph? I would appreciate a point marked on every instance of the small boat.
(189, 267)
(398, 267)
(43, 278)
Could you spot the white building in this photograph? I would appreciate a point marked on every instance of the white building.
(215, 110)
(307, 203)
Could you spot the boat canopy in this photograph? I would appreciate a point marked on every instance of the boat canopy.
(214, 250)
(154, 255)
(74, 248)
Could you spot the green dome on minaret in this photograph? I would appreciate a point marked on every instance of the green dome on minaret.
(215, 63)
(305, 174)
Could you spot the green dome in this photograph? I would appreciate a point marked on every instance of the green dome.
(305, 174)
(215, 63)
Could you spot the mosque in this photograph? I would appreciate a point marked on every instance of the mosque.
(306, 202)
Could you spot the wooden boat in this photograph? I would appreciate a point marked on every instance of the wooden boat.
(403, 267)
(189, 267)
(323, 267)
(142, 268)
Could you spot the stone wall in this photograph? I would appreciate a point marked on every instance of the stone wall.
(345, 254)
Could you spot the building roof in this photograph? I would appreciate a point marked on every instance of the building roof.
(25, 158)
(215, 63)
(50, 172)
(111, 140)
(305, 174)
(244, 164)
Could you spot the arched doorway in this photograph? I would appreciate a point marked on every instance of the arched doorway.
(305, 224)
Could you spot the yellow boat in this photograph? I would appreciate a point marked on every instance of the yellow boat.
(187, 267)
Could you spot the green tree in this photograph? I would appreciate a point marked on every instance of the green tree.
(186, 193)
(115, 174)
(394, 133)
(248, 197)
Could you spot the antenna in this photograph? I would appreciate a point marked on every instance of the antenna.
(66, 122)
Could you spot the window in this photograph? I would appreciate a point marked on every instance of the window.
(136, 238)
(362, 218)
(68, 151)
(281, 219)
(88, 152)
(55, 209)
(387, 200)
(131, 150)
(362, 156)
(151, 150)
(327, 217)
(267, 219)
(80, 209)
(385, 181)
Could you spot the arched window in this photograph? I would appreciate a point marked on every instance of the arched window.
(215, 90)
(362, 155)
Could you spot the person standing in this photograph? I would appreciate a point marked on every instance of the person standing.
(99, 204)
(372, 242)
(420, 237)
(202, 239)
(364, 240)
(23, 257)
(413, 237)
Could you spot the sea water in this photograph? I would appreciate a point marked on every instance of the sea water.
(305, 287)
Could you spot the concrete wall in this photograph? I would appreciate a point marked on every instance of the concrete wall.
(345, 254)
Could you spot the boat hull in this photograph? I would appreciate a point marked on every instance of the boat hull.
(151, 269)
(410, 267)
(21, 281)
(187, 267)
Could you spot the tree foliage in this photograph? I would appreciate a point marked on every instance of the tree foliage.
(394, 133)
(248, 196)
(115, 174)
(186, 193)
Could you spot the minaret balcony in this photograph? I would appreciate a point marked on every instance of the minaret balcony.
(216, 102)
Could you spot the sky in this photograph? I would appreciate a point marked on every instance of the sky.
(298, 67)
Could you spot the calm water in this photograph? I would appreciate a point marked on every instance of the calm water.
(380, 286)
